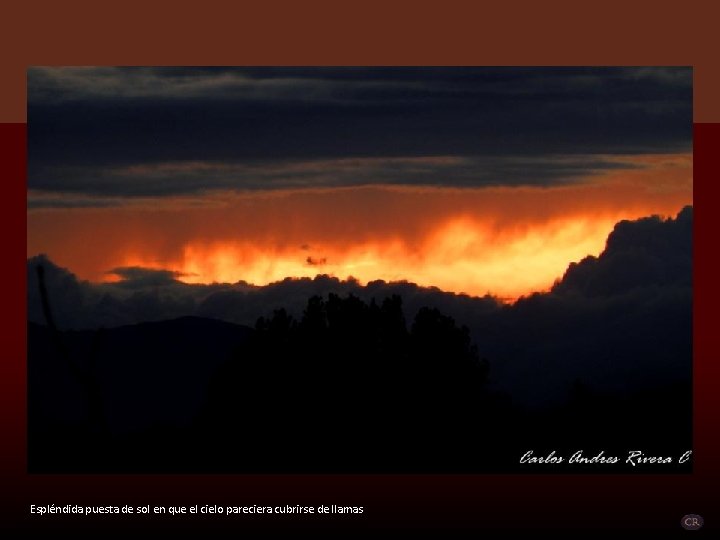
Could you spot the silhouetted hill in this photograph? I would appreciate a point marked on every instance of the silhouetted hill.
(383, 377)
(347, 377)
(150, 375)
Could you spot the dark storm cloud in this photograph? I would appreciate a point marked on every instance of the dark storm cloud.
(135, 277)
(362, 85)
(195, 177)
(634, 256)
(68, 199)
(87, 125)
(621, 320)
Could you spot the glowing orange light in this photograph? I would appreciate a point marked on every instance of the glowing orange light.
(460, 255)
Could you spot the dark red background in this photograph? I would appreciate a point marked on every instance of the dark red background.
(645, 502)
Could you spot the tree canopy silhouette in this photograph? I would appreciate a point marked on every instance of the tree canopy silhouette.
(348, 385)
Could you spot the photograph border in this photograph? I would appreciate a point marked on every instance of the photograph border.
(320, 33)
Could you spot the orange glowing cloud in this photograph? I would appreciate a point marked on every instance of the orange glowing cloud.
(461, 255)
(507, 241)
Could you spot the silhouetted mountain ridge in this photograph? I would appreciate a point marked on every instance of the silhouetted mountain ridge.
(130, 364)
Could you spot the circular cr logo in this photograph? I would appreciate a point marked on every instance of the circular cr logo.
(691, 522)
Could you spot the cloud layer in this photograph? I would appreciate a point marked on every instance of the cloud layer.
(129, 132)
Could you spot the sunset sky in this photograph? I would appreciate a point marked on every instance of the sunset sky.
(474, 180)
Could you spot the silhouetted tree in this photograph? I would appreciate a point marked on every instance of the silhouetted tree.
(349, 386)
